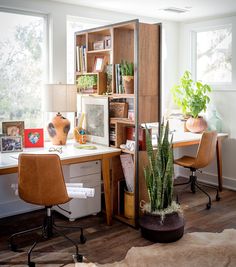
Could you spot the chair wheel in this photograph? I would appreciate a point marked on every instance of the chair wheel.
(208, 206)
(82, 239)
(31, 264)
(13, 247)
(217, 197)
(78, 258)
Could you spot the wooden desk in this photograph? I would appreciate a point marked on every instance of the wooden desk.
(71, 155)
(181, 139)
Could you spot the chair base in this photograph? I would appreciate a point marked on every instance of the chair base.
(195, 185)
(48, 228)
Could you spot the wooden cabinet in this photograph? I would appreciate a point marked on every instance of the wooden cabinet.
(105, 47)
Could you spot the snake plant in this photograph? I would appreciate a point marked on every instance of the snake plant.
(159, 171)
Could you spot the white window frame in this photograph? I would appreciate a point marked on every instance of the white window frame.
(207, 26)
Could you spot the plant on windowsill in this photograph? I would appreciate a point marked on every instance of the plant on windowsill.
(162, 219)
(127, 73)
(192, 98)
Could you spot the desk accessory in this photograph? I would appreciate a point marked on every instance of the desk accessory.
(34, 137)
(59, 98)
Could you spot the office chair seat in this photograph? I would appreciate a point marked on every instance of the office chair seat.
(185, 161)
(205, 154)
(41, 182)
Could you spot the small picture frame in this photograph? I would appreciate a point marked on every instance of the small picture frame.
(13, 128)
(11, 144)
(107, 42)
(130, 145)
(34, 137)
(99, 63)
(99, 45)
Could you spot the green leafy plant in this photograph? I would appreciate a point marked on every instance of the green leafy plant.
(86, 82)
(191, 96)
(127, 69)
(159, 174)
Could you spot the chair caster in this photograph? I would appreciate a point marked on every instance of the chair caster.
(13, 247)
(208, 206)
(82, 239)
(31, 264)
(78, 258)
(217, 197)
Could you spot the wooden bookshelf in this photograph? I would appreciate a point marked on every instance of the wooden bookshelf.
(133, 42)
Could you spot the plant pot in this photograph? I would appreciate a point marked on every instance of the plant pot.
(196, 125)
(128, 83)
(169, 230)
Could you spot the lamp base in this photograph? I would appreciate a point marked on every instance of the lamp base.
(58, 130)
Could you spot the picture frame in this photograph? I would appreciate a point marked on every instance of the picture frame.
(13, 128)
(34, 137)
(99, 63)
(11, 144)
(97, 119)
(99, 45)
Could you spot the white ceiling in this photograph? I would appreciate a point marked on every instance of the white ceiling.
(152, 8)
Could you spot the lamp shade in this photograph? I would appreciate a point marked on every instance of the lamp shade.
(60, 98)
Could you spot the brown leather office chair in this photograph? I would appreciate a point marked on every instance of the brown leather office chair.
(41, 182)
(205, 154)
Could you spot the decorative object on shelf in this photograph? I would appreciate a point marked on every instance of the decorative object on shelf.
(87, 84)
(99, 45)
(99, 63)
(107, 42)
(192, 98)
(127, 72)
(59, 98)
(34, 137)
(13, 128)
(11, 144)
(131, 114)
(162, 220)
(97, 119)
(108, 71)
(118, 110)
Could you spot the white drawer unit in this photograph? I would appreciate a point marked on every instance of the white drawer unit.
(88, 173)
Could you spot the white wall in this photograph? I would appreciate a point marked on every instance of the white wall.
(223, 99)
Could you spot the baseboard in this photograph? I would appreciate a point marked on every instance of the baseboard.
(212, 179)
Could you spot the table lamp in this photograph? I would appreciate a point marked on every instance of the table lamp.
(59, 98)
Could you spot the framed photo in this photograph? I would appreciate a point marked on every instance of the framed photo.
(99, 63)
(34, 137)
(99, 45)
(13, 128)
(97, 119)
(11, 144)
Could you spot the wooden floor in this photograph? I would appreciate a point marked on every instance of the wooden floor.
(108, 244)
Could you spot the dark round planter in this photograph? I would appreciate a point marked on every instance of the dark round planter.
(169, 230)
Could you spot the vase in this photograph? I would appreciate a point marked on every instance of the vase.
(166, 230)
(196, 125)
(215, 122)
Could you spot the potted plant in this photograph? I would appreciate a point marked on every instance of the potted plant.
(162, 219)
(127, 73)
(192, 98)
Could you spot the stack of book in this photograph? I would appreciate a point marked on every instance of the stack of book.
(119, 84)
(81, 61)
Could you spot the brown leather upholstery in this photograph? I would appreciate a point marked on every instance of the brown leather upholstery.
(41, 179)
(205, 153)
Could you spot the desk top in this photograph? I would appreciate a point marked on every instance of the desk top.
(69, 152)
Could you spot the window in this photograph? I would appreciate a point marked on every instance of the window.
(213, 55)
(22, 67)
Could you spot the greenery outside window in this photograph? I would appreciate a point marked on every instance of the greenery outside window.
(23, 66)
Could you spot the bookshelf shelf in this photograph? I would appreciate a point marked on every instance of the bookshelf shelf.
(99, 51)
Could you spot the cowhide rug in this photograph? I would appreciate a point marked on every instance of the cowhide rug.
(193, 250)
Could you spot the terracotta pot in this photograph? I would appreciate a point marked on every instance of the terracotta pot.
(196, 125)
(128, 83)
(169, 230)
